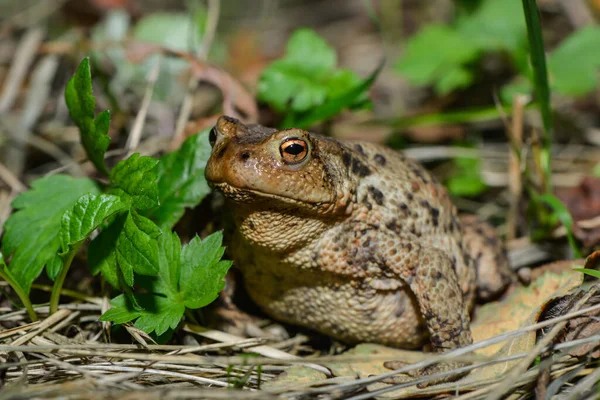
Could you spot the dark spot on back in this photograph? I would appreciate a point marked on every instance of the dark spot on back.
(419, 173)
(360, 149)
(435, 213)
(359, 168)
(346, 158)
(367, 203)
(380, 159)
(377, 195)
(409, 196)
(393, 226)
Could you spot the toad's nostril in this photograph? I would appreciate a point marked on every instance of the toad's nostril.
(245, 156)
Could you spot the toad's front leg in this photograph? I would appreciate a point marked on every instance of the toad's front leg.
(431, 277)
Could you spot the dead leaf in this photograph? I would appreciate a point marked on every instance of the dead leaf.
(583, 202)
(522, 307)
(593, 260)
(581, 327)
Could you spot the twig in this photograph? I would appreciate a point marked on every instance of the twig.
(514, 165)
(214, 7)
(43, 325)
(37, 95)
(32, 15)
(136, 132)
(26, 51)
(156, 372)
(11, 180)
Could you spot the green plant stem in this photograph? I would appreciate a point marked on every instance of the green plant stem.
(540, 77)
(22, 295)
(60, 279)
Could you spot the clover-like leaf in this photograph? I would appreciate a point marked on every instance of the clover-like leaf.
(188, 277)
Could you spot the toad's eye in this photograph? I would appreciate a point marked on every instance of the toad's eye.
(293, 150)
(212, 136)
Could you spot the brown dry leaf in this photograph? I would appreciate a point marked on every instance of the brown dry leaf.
(521, 308)
(593, 260)
(583, 202)
(582, 328)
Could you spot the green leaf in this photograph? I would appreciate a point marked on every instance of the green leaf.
(166, 281)
(81, 104)
(130, 244)
(456, 78)
(53, 267)
(32, 232)
(137, 249)
(432, 52)
(121, 312)
(86, 215)
(202, 274)
(158, 314)
(332, 106)
(102, 251)
(465, 180)
(181, 182)
(540, 73)
(561, 212)
(134, 180)
(306, 77)
(494, 25)
(188, 277)
(590, 272)
(574, 66)
(176, 31)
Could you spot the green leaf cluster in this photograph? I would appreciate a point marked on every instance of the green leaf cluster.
(306, 79)
(133, 216)
(188, 277)
(446, 56)
(31, 237)
(465, 179)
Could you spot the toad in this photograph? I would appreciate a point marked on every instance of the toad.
(351, 239)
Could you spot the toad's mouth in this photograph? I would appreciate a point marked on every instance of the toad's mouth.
(245, 195)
